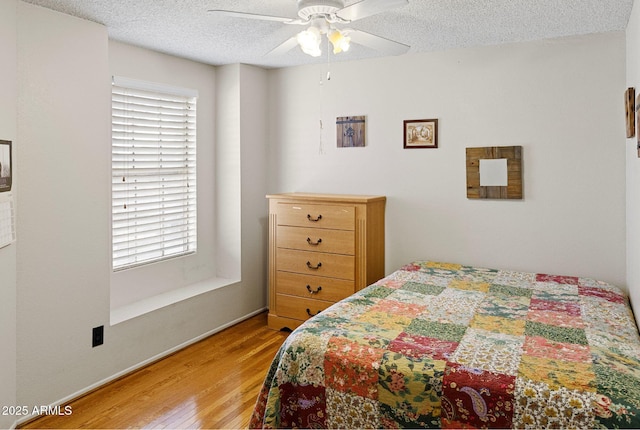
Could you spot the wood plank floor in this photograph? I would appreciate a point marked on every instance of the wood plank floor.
(213, 383)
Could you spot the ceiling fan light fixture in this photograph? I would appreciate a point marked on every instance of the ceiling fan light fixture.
(309, 41)
(339, 41)
(320, 16)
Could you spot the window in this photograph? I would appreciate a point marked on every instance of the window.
(153, 163)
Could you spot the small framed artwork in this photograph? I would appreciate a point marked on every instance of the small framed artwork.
(350, 131)
(6, 172)
(630, 108)
(421, 133)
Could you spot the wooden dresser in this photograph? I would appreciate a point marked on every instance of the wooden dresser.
(322, 248)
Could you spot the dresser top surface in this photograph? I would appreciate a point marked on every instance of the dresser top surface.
(328, 197)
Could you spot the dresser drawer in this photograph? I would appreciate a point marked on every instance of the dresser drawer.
(298, 307)
(316, 263)
(314, 287)
(317, 239)
(321, 216)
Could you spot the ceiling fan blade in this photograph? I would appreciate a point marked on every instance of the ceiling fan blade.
(386, 46)
(284, 47)
(256, 16)
(365, 8)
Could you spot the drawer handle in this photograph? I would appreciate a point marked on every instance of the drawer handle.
(310, 314)
(314, 219)
(310, 242)
(312, 292)
(314, 267)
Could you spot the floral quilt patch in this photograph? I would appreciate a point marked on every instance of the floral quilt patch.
(478, 398)
(409, 390)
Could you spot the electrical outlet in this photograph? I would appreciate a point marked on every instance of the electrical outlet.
(98, 336)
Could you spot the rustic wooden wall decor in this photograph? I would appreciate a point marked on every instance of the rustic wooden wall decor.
(630, 111)
(513, 189)
(638, 124)
(350, 131)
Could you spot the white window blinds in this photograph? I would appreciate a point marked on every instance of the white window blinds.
(153, 163)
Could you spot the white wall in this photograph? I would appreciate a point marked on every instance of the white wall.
(63, 247)
(227, 165)
(8, 95)
(560, 100)
(241, 151)
(633, 167)
(63, 207)
(254, 131)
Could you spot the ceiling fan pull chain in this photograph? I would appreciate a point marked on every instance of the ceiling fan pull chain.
(321, 112)
(328, 62)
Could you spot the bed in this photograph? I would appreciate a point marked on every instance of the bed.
(439, 345)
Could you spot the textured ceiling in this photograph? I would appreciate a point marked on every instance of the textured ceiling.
(184, 28)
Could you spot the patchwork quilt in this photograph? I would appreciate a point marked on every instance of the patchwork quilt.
(438, 345)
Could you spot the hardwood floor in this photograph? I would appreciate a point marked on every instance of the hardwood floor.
(213, 383)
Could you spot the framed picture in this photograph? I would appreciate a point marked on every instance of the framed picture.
(421, 133)
(6, 169)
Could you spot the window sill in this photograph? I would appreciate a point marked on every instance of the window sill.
(133, 310)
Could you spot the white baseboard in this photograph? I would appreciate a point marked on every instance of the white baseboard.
(140, 365)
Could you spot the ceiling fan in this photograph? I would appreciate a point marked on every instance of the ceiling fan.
(321, 16)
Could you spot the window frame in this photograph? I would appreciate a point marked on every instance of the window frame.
(134, 136)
